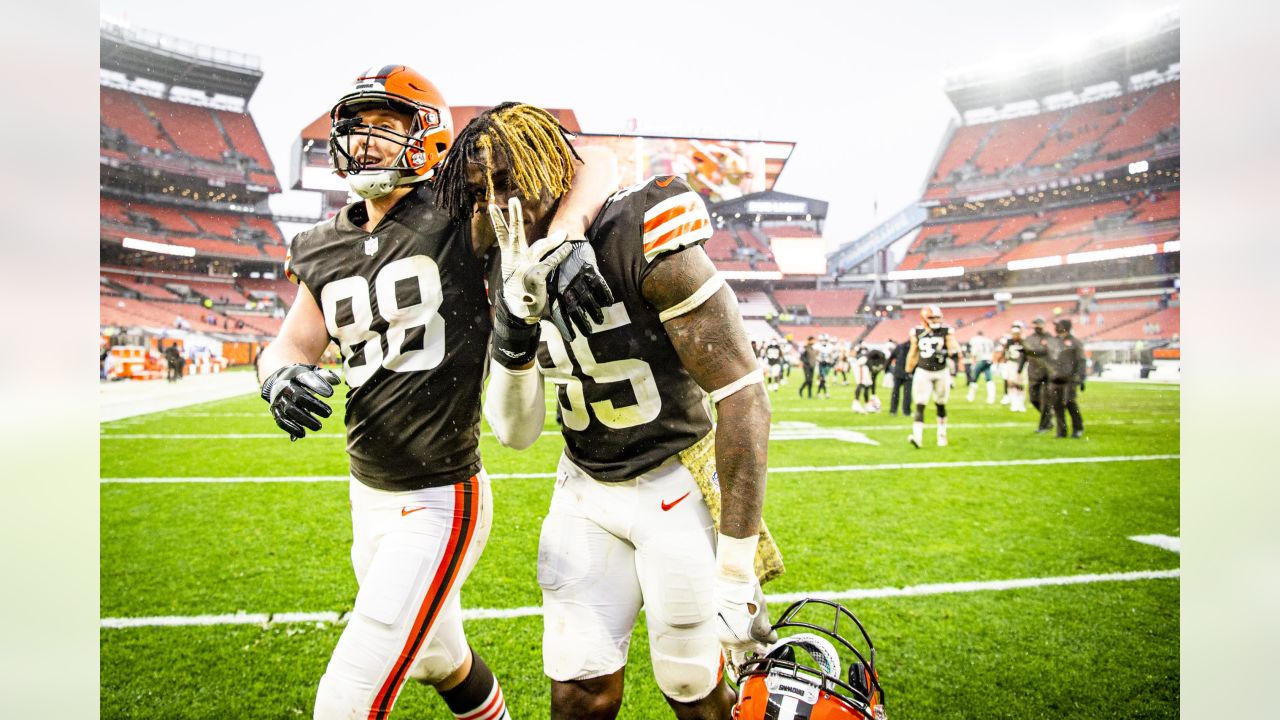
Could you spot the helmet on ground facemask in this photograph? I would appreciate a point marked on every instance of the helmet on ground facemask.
(800, 676)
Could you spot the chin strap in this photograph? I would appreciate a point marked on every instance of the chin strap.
(373, 185)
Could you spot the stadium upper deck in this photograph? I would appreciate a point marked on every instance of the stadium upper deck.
(185, 179)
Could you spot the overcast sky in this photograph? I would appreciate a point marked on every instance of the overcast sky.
(858, 86)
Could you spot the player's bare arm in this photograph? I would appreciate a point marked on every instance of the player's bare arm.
(302, 337)
(713, 346)
(913, 355)
(595, 179)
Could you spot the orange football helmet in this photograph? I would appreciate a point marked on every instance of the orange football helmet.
(422, 147)
(781, 684)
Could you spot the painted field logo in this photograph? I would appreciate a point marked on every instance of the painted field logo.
(810, 431)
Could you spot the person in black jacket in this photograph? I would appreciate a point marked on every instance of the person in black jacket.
(1036, 349)
(1066, 365)
(808, 361)
(901, 378)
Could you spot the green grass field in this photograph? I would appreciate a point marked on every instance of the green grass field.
(1099, 649)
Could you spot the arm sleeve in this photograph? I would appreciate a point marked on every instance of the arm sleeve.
(514, 405)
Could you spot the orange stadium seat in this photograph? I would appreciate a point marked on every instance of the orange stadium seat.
(122, 111)
(244, 135)
(191, 127)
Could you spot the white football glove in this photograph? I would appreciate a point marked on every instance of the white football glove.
(742, 618)
(525, 268)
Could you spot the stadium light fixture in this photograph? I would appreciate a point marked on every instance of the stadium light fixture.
(1138, 167)
(155, 247)
(1172, 246)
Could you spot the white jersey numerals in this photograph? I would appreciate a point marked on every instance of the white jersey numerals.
(930, 345)
(358, 335)
(637, 372)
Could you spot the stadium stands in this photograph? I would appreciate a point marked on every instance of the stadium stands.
(1076, 141)
(124, 112)
(840, 303)
(243, 133)
(190, 127)
(755, 303)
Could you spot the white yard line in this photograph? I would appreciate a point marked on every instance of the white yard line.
(783, 433)
(772, 471)
(1166, 542)
(533, 610)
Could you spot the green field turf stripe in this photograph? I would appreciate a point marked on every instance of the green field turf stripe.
(506, 613)
(776, 470)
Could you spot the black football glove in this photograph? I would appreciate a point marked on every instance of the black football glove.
(581, 293)
(291, 392)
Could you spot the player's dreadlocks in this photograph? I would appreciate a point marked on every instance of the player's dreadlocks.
(534, 145)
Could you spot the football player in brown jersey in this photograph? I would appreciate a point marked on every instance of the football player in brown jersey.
(628, 524)
(399, 287)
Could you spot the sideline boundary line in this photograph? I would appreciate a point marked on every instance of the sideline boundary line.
(1088, 459)
(265, 619)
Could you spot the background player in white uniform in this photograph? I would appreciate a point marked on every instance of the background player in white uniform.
(401, 290)
(933, 351)
(983, 351)
(1011, 359)
(623, 530)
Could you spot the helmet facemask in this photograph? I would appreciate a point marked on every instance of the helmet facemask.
(420, 148)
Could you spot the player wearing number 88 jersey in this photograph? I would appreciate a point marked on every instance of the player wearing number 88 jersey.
(629, 524)
(399, 287)
(405, 304)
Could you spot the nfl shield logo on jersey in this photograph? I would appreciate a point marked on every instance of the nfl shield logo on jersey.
(371, 245)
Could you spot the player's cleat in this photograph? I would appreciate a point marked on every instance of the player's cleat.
(1077, 434)
(1042, 430)
(912, 439)
(1004, 400)
(942, 441)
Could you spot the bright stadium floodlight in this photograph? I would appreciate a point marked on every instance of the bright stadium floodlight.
(1172, 246)
(955, 271)
(155, 247)
(1040, 262)
(1138, 167)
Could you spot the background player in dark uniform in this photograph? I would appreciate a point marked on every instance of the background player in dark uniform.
(773, 363)
(931, 358)
(1036, 349)
(897, 365)
(400, 289)
(808, 364)
(1066, 373)
(622, 531)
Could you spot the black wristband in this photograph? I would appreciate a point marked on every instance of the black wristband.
(514, 342)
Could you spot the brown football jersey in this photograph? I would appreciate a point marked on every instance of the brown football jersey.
(406, 306)
(626, 402)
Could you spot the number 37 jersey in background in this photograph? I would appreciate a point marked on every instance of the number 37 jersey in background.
(406, 306)
(626, 402)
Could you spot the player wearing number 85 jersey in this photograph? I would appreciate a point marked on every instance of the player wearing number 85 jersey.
(399, 287)
(628, 524)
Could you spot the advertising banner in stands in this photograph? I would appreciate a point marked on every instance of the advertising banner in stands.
(718, 170)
